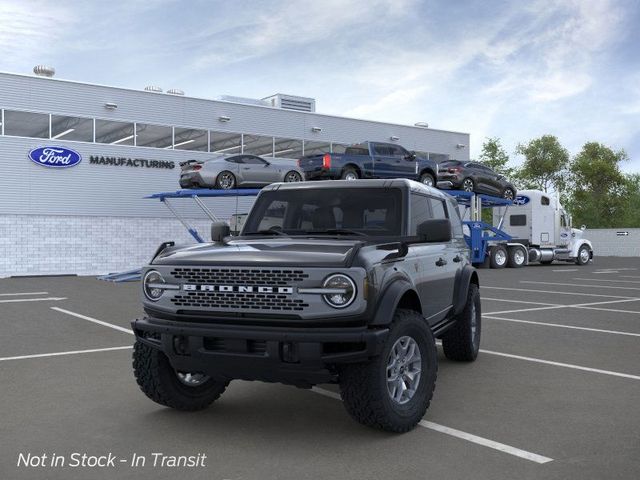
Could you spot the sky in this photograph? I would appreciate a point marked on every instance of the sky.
(508, 69)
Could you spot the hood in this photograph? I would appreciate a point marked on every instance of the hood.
(264, 252)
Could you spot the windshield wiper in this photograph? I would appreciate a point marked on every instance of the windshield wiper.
(335, 231)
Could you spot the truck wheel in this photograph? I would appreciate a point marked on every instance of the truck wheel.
(225, 180)
(162, 384)
(349, 173)
(498, 256)
(393, 391)
(462, 341)
(517, 257)
(427, 179)
(584, 255)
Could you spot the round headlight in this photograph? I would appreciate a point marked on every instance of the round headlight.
(343, 291)
(150, 285)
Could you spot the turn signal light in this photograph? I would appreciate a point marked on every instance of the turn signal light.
(326, 161)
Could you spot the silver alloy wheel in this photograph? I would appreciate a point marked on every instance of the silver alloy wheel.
(293, 177)
(584, 255)
(500, 256)
(427, 180)
(518, 256)
(226, 180)
(192, 379)
(467, 185)
(403, 370)
(508, 194)
(351, 176)
(474, 323)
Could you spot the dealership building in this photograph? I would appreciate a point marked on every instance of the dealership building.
(92, 218)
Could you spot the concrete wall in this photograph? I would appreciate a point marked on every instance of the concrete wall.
(608, 242)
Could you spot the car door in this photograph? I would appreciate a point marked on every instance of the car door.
(479, 177)
(405, 164)
(383, 160)
(257, 171)
(493, 180)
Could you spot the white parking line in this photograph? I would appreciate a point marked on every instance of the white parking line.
(94, 320)
(469, 437)
(58, 354)
(582, 294)
(606, 280)
(519, 301)
(581, 286)
(564, 365)
(629, 276)
(575, 305)
(566, 270)
(47, 299)
(559, 325)
(23, 293)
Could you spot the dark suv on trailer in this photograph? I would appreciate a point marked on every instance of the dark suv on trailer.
(475, 177)
(329, 282)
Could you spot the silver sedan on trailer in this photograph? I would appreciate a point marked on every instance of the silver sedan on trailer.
(238, 171)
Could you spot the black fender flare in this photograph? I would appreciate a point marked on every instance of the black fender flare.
(389, 301)
(467, 276)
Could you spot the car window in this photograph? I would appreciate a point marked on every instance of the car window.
(544, 200)
(437, 208)
(359, 150)
(472, 165)
(398, 151)
(253, 160)
(233, 159)
(273, 216)
(420, 211)
(456, 221)
(517, 220)
(382, 150)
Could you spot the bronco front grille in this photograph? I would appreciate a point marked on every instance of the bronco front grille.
(240, 276)
(237, 301)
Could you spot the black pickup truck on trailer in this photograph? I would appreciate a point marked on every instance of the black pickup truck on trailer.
(370, 160)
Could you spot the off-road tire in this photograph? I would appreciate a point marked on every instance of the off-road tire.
(348, 172)
(363, 386)
(158, 381)
(459, 343)
(512, 262)
(495, 256)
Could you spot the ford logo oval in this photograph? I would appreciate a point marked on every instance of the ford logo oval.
(521, 200)
(55, 157)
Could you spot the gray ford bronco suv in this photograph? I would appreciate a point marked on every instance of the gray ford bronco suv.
(330, 282)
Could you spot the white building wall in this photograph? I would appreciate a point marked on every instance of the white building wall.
(613, 242)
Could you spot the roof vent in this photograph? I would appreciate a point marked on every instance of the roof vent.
(44, 71)
(153, 88)
(175, 91)
(292, 102)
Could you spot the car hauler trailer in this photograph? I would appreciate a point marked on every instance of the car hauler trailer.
(532, 228)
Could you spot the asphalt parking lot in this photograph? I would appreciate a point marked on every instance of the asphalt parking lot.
(554, 394)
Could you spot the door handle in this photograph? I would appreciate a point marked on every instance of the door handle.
(457, 258)
(441, 262)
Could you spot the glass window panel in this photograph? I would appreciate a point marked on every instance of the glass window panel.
(71, 128)
(115, 133)
(287, 148)
(157, 136)
(338, 147)
(258, 145)
(26, 124)
(316, 148)
(190, 139)
(226, 143)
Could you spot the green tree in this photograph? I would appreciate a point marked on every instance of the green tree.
(545, 165)
(631, 215)
(600, 193)
(495, 157)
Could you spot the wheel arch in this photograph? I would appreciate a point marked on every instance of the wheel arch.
(466, 277)
(400, 294)
(354, 166)
(430, 171)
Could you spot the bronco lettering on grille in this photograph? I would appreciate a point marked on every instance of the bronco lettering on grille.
(237, 289)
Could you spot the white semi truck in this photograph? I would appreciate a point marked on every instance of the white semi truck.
(540, 230)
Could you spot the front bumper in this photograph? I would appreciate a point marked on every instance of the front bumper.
(298, 356)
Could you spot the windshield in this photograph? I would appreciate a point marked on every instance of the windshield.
(327, 211)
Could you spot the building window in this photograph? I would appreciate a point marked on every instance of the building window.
(157, 136)
(258, 145)
(287, 148)
(26, 124)
(191, 139)
(71, 128)
(225, 143)
(115, 133)
(316, 148)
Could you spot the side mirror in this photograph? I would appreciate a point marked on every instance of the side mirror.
(219, 230)
(583, 227)
(435, 230)
(410, 156)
